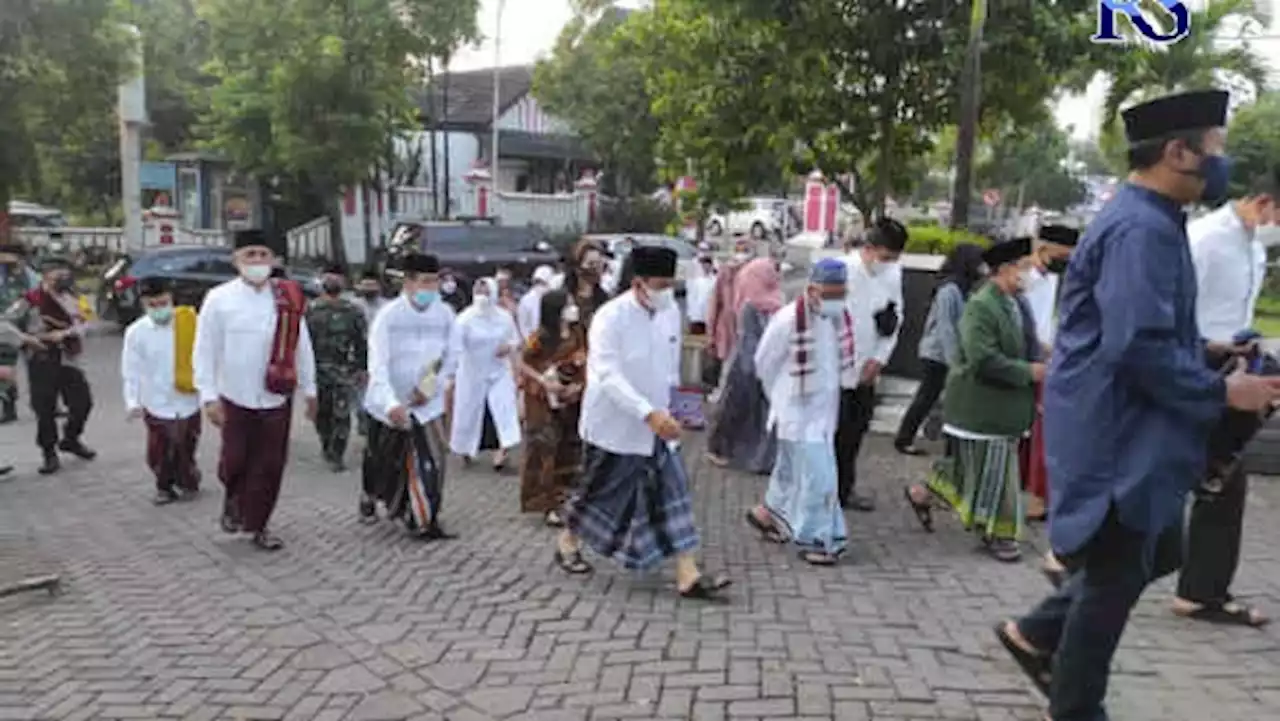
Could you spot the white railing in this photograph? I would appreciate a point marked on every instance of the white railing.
(554, 213)
(72, 239)
(414, 204)
(311, 240)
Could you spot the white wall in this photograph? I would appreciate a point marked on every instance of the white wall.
(528, 116)
(463, 150)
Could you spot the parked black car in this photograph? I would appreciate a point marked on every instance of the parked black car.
(476, 248)
(192, 270)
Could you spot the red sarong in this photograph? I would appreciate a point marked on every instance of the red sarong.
(1035, 472)
(255, 448)
(171, 451)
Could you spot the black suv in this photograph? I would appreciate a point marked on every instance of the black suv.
(192, 271)
(476, 248)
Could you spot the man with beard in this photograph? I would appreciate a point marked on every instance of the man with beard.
(252, 354)
(338, 333)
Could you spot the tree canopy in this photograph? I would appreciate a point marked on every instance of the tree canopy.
(1253, 140)
(1031, 164)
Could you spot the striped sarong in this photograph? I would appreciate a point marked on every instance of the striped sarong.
(981, 480)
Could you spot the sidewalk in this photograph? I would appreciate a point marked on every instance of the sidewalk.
(162, 616)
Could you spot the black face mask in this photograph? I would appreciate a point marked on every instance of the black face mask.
(65, 284)
(332, 287)
(1057, 266)
(370, 294)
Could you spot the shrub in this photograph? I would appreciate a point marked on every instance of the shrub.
(634, 215)
(936, 240)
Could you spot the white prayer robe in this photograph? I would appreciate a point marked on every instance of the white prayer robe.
(369, 306)
(234, 335)
(1042, 296)
(1231, 265)
(633, 358)
(484, 380)
(147, 368)
(811, 417)
(867, 295)
(697, 296)
(529, 311)
(403, 343)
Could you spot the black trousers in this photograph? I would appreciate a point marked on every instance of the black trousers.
(49, 381)
(927, 395)
(1213, 540)
(856, 407)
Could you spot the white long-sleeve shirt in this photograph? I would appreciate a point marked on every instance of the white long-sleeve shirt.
(697, 297)
(147, 367)
(234, 335)
(811, 417)
(1042, 297)
(403, 343)
(632, 357)
(869, 294)
(529, 311)
(1231, 265)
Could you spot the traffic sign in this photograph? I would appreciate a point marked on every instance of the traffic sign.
(991, 197)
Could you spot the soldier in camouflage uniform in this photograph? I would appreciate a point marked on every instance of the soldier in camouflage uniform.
(339, 336)
(13, 285)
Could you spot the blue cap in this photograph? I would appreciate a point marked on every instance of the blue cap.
(829, 271)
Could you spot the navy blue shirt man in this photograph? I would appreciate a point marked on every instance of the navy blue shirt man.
(1128, 402)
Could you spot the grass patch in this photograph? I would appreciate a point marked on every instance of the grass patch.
(1266, 318)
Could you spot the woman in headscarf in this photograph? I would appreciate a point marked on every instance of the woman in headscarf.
(722, 314)
(552, 375)
(940, 344)
(582, 280)
(486, 342)
(741, 438)
(989, 404)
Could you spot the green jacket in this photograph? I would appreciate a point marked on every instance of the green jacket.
(989, 388)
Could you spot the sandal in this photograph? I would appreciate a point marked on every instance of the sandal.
(818, 558)
(1037, 667)
(1004, 550)
(1228, 613)
(718, 461)
(553, 520)
(923, 511)
(706, 589)
(1055, 576)
(267, 541)
(572, 563)
(434, 533)
(768, 531)
(910, 449)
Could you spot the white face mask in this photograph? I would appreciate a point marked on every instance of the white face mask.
(570, 314)
(831, 308)
(448, 287)
(1029, 278)
(742, 257)
(256, 273)
(483, 301)
(662, 299)
(1267, 235)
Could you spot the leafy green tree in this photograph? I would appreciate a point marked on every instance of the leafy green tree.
(309, 92)
(594, 80)
(60, 64)
(1091, 160)
(175, 51)
(1254, 142)
(1030, 164)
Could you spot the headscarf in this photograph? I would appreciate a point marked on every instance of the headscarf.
(759, 284)
(963, 267)
(486, 311)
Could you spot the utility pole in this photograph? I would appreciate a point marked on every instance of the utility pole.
(132, 110)
(497, 85)
(970, 107)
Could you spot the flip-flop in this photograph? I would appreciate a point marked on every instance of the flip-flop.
(572, 563)
(706, 589)
(1218, 613)
(923, 511)
(1055, 576)
(1038, 669)
(768, 532)
(717, 461)
(267, 541)
(818, 558)
(910, 450)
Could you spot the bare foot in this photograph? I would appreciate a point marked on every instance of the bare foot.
(1011, 630)
(718, 461)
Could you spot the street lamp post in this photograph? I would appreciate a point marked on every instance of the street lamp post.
(497, 86)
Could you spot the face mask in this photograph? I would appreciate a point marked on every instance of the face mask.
(64, 284)
(1216, 171)
(332, 287)
(1268, 235)
(831, 308)
(161, 314)
(662, 299)
(369, 293)
(1028, 278)
(1057, 266)
(448, 287)
(570, 314)
(873, 267)
(591, 270)
(424, 298)
(256, 273)
(483, 301)
(742, 257)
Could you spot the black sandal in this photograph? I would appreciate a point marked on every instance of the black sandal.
(1055, 576)
(923, 511)
(267, 541)
(1037, 667)
(818, 558)
(706, 589)
(768, 531)
(572, 563)
(434, 533)
(910, 449)
(1218, 613)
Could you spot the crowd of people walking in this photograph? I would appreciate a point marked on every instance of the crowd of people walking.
(1090, 380)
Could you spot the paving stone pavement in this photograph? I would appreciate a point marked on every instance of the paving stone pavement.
(163, 616)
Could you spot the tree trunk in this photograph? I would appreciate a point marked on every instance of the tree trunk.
(434, 114)
(444, 114)
(970, 106)
(884, 171)
(337, 245)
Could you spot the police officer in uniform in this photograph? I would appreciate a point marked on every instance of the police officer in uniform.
(339, 335)
(13, 285)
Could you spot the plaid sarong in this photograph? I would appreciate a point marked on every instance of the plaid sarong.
(802, 345)
(634, 509)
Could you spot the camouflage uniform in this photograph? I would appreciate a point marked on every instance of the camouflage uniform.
(12, 288)
(338, 334)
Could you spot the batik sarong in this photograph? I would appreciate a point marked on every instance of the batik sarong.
(171, 452)
(404, 468)
(980, 479)
(634, 509)
(803, 498)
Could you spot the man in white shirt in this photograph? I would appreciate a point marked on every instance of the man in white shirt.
(156, 367)
(528, 316)
(252, 354)
(368, 295)
(1049, 261)
(1229, 249)
(633, 503)
(798, 362)
(698, 290)
(875, 303)
(411, 368)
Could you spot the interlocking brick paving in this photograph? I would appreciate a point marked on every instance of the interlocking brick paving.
(163, 616)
